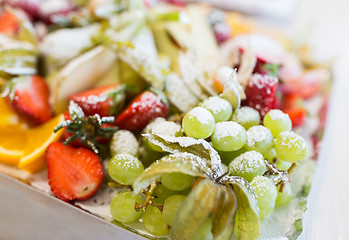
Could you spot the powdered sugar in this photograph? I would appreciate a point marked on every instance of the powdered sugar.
(124, 141)
(247, 162)
(202, 115)
(257, 134)
(224, 129)
(276, 114)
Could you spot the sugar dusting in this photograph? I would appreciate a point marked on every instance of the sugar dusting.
(247, 162)
(215, 104)
(245, 114)
(257, 134)
(202, 115)
(276, 114)
(292, 140)
(224, 129)
(124, 141)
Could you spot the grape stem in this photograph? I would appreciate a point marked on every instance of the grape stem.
(282, 177)
(149, 198)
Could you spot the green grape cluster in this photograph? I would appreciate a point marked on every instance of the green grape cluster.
(242, 143)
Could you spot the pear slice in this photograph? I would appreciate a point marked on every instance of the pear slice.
(80, 74)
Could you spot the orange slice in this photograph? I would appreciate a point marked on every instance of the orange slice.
(12, 141)
(38, 140)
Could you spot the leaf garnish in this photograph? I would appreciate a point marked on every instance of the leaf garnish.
(248, 223)
(223, 218)
(194, 210)
(179, 162)
(198, 147)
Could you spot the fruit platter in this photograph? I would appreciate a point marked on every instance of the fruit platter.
(167, 119)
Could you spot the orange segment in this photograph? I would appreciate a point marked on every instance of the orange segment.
(12, 140)
(38, 140)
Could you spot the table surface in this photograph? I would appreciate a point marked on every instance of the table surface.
(326, 25)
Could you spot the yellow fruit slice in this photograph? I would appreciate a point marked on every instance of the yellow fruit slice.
(38, 140)
(7, 115)
(12, 141)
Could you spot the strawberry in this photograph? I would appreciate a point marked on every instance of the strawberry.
(73, 173)
(77, 142)
(103, 101)
(92, 132)
(29, 97)
(260, 93)
(142, 110)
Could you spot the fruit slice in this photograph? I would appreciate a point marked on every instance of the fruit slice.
(73, 173)
(38, 140)
(80, 74)
(11, 144)
(29, 97)
(7, 115)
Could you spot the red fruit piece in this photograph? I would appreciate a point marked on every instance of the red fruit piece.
(73, 173)
(292, 105)
(260, 93)
(9, 23)
(143, 109)
(96, 101)
(29, 97)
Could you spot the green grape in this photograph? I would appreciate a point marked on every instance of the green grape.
(259, 138)
(204, 232)
(176, 181)
(161, 193)
(198, 123)
(153, 221)
(248, 165)
(289, 146)
(283, 165)
(228, 136)
(270, 155)
(162, 127)
(246, 117)
(123, 141)
(227, 157)
(122, 207)
(266, 194)
(124, 168)
(220, 108)
(171, 207)
(148, 155)
(283, 197)
(277, 121)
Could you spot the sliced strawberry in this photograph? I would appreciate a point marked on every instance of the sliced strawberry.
(9, 23)
(29, 97)
(73, 173)
(142, 110)
(97, 101)
(260, 93)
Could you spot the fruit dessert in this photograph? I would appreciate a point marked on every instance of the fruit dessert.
(172, 120)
